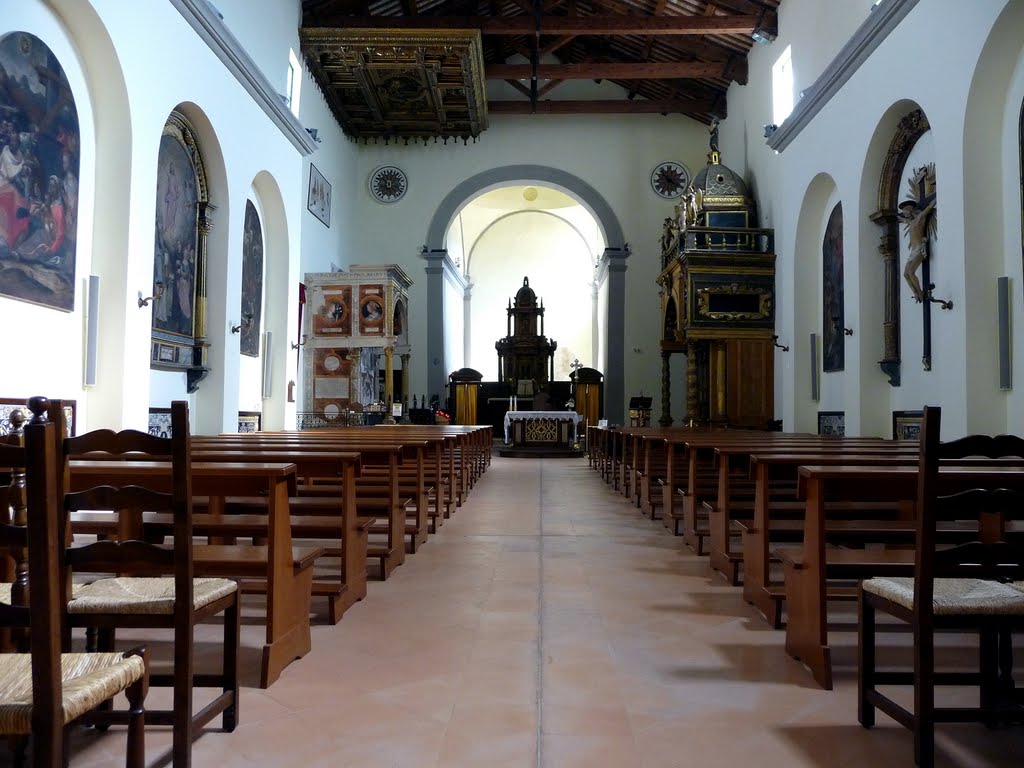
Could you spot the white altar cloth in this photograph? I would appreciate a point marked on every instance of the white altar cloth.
(511, 416)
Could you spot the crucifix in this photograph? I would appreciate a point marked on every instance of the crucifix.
(918, 216)
(576, 365)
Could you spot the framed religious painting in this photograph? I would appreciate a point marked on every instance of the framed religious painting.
(833, 335)
(252, 282)
(178, 299)
(318, 198)
(39, 162)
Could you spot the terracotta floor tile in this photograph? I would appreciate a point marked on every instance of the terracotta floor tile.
(550, 623)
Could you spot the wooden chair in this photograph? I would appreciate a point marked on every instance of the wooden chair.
(43, 691)
(141, 595)
(977, 586)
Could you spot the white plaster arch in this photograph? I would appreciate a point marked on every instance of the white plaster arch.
(807, 285)
(616, 252)
(992, 215)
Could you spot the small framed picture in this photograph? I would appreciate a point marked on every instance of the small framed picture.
(318, 199)
(832, 423)
(906, 425)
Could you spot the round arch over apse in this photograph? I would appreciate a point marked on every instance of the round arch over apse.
(566, 182)
(616, 252)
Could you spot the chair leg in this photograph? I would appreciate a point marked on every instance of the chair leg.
(866, 661)
(924, 697)
(988, 666)
(232, 630)
(135, 756)
(184, 675)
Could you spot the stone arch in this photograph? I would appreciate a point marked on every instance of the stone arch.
(616, 252)
(510, 175)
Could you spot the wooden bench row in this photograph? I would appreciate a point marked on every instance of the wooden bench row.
(827, 511)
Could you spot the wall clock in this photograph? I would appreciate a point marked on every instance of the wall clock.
(388, 184)
(669, 180)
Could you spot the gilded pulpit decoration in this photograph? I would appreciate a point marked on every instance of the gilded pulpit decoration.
(400, 84)
(717, 294)
(183, 222)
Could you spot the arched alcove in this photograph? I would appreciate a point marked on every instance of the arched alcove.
(882, 187)
(611, 272)
(814, 211)
(991, 213)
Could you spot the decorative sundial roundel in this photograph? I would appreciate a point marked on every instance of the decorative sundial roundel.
(669, 180)
(388, 184)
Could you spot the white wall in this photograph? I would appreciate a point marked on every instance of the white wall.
(930, 61)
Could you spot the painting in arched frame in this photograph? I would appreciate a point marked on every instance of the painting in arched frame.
(179, 253)
(39, 168)
(832, 294)
(252, 282)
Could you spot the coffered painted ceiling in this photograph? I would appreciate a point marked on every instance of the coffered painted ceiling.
(417, 69)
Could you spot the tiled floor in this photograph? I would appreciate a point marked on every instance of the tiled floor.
(549, 624)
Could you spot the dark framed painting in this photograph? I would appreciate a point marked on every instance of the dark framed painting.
(252, 282)
(39, 166)
(179, 261)
(833, 337)
(318, 199)
(832, 423)
(906, 425)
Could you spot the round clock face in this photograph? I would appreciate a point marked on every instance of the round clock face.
(669, 180)
(388, 184)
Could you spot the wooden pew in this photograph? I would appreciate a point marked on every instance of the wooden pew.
(736, 493)
(810, 565)
(284, 571)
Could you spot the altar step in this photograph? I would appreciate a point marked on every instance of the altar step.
(539, 452)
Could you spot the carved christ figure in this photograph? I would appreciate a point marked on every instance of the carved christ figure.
(916, 222)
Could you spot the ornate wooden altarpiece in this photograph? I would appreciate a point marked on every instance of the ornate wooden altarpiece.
(351, 319)
(717, 290)
(526, 354)
(400, 84)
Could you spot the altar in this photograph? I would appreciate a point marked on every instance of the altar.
(541, 428)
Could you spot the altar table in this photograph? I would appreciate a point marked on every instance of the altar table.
(541, 427)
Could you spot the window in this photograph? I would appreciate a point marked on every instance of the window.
(294, 83)
(782, 86)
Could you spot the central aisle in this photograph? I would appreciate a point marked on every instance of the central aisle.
(549, 624)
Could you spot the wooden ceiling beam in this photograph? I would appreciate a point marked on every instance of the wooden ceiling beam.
(603, 107)
(554, 45)
(605, 71)
(555, 25)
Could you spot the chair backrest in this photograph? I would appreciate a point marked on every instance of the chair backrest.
(991, 555)
(45, 615)
(167, 489)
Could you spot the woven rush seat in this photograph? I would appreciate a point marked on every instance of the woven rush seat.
(953, 597)
(6, 588)
(144, 595)
(89, 679)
